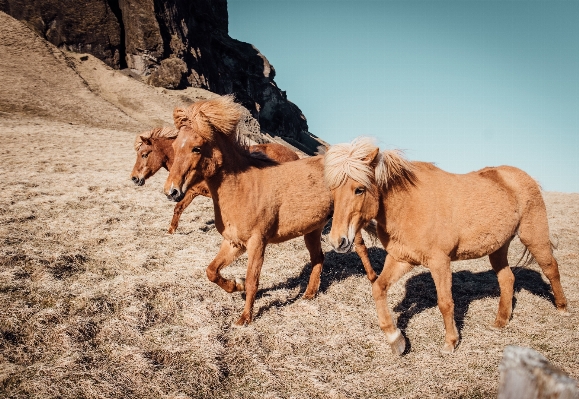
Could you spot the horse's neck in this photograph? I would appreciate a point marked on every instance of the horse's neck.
(231, 177)
(165, 147)
(391, 202)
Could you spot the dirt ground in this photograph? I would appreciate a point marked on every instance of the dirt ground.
(96, 301)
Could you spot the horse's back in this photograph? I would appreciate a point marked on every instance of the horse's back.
(302, 199)
(276, 152)
(468, 215)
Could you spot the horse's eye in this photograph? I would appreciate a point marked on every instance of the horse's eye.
(359, 190)
(196, 150)
(145, 155)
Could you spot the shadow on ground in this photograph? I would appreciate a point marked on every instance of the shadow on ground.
(337, 267)
(420, 290)
(466, 288)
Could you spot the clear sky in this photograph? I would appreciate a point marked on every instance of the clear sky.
(465, 84)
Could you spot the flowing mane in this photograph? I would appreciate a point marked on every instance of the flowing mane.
(216, 115)
(351, 160)
(220, 115)
(158, 132)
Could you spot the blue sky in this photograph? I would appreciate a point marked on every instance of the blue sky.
(465, 84)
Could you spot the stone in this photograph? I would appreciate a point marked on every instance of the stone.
(170, 74)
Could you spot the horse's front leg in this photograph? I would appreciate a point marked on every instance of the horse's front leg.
(362, 252)
(255, 253)
(179, 208)
(226, 255)
(442, 276)
(391, 273)
(185, 202)
(314, 245)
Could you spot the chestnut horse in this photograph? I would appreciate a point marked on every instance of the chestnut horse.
(430, 217)
(155, 151)
(256, 202)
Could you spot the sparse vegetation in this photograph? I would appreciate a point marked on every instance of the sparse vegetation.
(97, 301)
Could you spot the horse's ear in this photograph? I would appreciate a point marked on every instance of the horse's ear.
(205, 118)
(371, 157)
(179, 117)
(146, 140)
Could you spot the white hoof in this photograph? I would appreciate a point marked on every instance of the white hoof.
(240, 284)
(447, 349)
(564, 312)
(397, 342)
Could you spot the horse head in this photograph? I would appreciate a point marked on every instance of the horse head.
(153, 153)
(349, 173)
(204, 127)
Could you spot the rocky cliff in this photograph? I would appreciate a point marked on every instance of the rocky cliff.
(172, 44)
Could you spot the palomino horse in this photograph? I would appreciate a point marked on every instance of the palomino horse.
(155, 151)
(430, 217)
(256, 202)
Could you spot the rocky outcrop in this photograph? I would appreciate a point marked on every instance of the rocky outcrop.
(172, 44)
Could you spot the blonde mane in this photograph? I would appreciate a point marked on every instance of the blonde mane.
(221, 114)
(158, 132)
(351, 160)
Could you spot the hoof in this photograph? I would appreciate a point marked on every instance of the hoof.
(564, 312)
(171, 231)
(447, 349)
(309, 296)
(239, 284)
(242, 322)
(397, 343)
(498, 325)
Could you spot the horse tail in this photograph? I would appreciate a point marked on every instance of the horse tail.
(554, 245)
(526, 259)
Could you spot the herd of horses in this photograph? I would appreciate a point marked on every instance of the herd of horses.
(266, 194)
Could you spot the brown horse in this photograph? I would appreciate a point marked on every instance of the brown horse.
(256, 202)
(155, 151)
(429, 217)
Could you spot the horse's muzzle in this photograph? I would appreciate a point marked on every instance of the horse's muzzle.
(139, 181)
(175, 195)
(345, 245)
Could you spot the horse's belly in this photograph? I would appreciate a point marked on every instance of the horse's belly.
(486, 239)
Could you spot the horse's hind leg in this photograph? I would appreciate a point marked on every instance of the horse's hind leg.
(226, 255)
(544, 257)
(314, 246)
(506, 279)
(362, 252)
(534, 234)
(180, 207)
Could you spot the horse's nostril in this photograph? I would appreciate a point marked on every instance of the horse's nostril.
(135, 179)
(343, 242)
(174, 193)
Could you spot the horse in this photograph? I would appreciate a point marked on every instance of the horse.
(256, 202)
(426, 216)
(155, 151)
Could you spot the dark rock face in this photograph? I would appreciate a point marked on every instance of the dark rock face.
(90, 27)
(174, 44)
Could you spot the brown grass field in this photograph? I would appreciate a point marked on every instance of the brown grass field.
(96, 301)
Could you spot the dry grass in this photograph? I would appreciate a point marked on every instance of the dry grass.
(98, 302)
